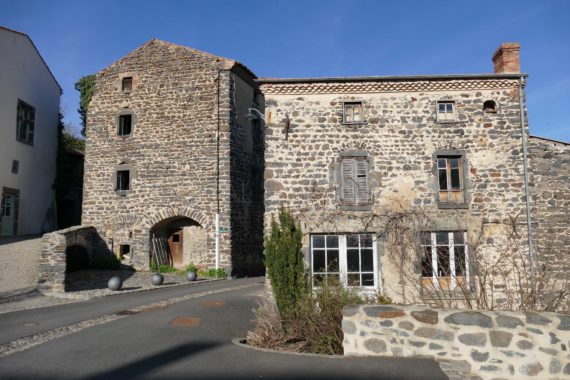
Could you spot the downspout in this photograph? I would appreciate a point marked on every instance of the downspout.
(217, 222)
(527, 193)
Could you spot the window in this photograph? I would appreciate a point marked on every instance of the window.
(445, 263)
(127, 84)
(355, 190)
(15, 166)
(123, 180)
(352, 113)
(490, 106)
(25, 123)
(124, 251)
(450, 179)
(125, 125)
(445, 111)
(345, 259)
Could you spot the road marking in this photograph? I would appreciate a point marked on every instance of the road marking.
(43, 337)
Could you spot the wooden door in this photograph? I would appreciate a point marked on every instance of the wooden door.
(8, 215)
(175, 246)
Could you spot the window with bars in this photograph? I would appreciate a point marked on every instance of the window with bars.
(445, 111)
(25, 123)
(352, 113)
(451, 180)
(355, 187)
(444, 261)
(346, 259)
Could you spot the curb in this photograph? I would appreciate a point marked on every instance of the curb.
(240, 342)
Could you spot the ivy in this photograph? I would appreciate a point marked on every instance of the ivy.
(85, 86)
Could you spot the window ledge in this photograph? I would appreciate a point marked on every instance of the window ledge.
(355, 123)
(446, 121)
(453, 205)
(366, 207)
(122, 193)
(26, 142)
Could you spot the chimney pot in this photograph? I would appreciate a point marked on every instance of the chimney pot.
(507, 58)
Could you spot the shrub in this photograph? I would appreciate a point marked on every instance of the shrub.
(284, 261)
(162, 268)
(191, 268)
(106, 263)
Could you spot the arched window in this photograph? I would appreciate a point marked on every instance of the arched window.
(490, 106)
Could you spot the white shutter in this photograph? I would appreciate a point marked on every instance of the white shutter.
(361, 180)
(348, 184)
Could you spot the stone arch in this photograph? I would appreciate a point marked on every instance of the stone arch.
(76, 258)
(168, 213)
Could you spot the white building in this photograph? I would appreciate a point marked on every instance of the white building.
(29, 108)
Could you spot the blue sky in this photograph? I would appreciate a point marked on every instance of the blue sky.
(314, 38)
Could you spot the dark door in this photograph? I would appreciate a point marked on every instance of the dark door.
(175, 240)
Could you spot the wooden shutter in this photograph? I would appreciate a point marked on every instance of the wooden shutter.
(348, 184)
(361, 180)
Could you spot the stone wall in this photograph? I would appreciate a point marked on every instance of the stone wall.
(490, 345)
(400, 133)
(179, 100)
(53, 256)
(550, 171)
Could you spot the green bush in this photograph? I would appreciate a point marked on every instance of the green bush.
(162, 268)
(284, 261)
(191, 268)
(106, 263)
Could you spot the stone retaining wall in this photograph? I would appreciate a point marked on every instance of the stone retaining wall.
(489, 345)
(52, 261)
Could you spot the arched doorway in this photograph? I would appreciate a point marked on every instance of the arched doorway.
(76, 258)
(173, 241)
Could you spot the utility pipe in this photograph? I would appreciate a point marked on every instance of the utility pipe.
(527, 192)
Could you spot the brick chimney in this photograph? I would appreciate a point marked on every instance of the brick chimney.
(507, 58)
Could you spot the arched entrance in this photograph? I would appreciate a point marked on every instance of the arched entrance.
(174, 240)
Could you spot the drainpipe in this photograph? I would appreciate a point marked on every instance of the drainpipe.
(527, 193)
(217, 223)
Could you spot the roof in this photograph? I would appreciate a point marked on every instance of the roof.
(37, 51)
(390, 78)
(549, 139)
(229, 63)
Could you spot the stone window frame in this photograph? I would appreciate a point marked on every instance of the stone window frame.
(25, 126)
(344, 103)
(134, 85)
(342, 251)
(123, 167)
(16, 194)
(134, 120)
(454, 118)
(448, 153)
(431, 286)
(361, 155)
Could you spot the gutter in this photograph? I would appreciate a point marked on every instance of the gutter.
(390, 78)
(531, 255)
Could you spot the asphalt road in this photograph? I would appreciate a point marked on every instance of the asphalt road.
(183, 340)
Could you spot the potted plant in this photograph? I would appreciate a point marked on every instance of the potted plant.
(191, 272)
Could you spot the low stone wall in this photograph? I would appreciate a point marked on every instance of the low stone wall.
(53, 256)
(487, 345)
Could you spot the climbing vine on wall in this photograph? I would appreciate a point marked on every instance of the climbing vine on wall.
(85, 86)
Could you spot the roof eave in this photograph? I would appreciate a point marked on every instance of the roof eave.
(391, 78)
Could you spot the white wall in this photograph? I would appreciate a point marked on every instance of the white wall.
(23, 75)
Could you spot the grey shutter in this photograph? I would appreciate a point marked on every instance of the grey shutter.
(361, 180)
(348, 188)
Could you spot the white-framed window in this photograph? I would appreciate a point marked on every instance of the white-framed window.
(352, 113)
(355, 189)
(346, 259)
(445, 111)
(26, 120)
(451, 179)
(445, 260)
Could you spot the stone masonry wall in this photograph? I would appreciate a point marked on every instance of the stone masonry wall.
(467, 344)
(53, 256)
(400, 134)
(171, 151)
(550, 170)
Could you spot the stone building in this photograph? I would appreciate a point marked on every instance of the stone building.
(169, 145)
(410, 185)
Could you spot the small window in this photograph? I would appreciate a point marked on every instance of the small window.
(124, 251)
(355, 189)
(352, 113)
(490, 106)
(25, 123)
(125, 125)
(15, 166)
(123, 180)
(127, 84)
(444, 260)
(445, 111)
(451, 181)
